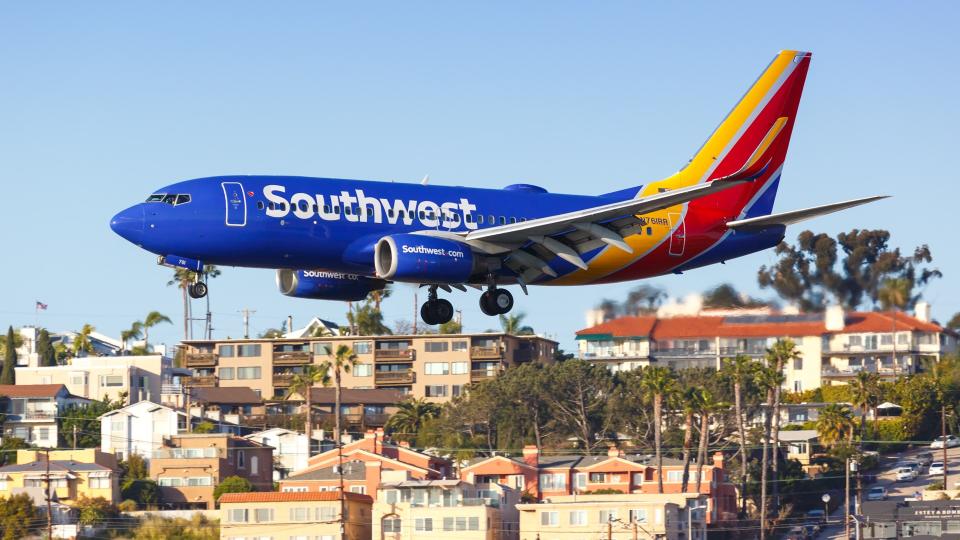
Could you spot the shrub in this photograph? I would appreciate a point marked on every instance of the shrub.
(204, 427)
(128, 505)
(93, 510)
(232, 484)
(143, 492)
(935, 486)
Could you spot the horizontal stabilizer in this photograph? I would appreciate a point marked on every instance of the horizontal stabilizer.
(789, 218)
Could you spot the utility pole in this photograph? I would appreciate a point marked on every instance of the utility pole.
(943, 433)
(246, 321)
(609, 527)
(415, 315)
(74, 436)
(846, 500)
(46, 480)
(460, 320)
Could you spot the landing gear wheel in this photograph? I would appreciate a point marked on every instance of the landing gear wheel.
(486, 304)
(496, 302)
(197, 290)
(438, 311)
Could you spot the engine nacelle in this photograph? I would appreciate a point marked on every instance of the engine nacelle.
(326, 285)
(423, 259)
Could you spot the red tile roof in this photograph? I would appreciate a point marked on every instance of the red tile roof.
(277, 496)
(623, 327)
(878, 321)
(30, 390)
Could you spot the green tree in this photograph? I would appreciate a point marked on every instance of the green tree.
(367, 320)
(770, 380)
(660, 383)
(526, 387)
(93, 510)
(865, 395)
(513, 324)
(300, 384)
(835, 425)
(894, 295)
(782, 352)
(411, 416)
(579, 396)
(708, 406)
(46, 355)
(134, 468)
(85, 418)
(152, 319)
(144, 492)
(8, 374)
(954, 323)
(183, 278)
(343, 361)
(643, 299)
(8, 449)
(378, 296)
(688, 400)
(946, 379)
(17, 515)
(451, 327)
(232, 484)
(740, 370)
(205, 427)
(134, 332)
(17, 343)
(726, 296)
(81, 342)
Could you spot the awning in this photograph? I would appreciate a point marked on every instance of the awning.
(99, 474)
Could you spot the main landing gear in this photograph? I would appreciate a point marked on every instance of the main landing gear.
(436, 310)
(494, 301)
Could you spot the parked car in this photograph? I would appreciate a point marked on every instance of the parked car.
(817, 515)
(936, 469)
(906, 474)
(925, 458)
(797, 533)
(877, 493)
(950, 441)
(915, 465)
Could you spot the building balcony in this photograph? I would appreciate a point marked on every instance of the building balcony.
(394, 377)
(835, 372)
(292, 358)
(478, 375)
(486, 353)
(394, 355)
(283, 379)
(684, 352)
(748, 351)
(38, 414)
(171, 388)
(201, 360)
(201, 380)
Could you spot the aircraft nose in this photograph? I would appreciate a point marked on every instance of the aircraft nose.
(129, 224)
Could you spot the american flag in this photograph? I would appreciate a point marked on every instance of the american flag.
(41, 306)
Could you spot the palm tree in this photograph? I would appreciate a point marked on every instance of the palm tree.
(513, 324)
(135, 331)
(152, 319)
(660, 382)
(865, 395)
(410, 417)
(740, 370)
(835, 425)
(770, 380)
(379, 296)
(82, 343)
(783, 351)
(689, 400)
(894, 294)
(946, 379)
(343, 361)
(301, 383)
(708, 406)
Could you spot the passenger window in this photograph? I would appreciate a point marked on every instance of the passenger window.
(348, 210)
(503, 220)
(649, 231)
(492, 219)
(469, 218)
(522, 219)
(513, 220)
(302, 205)
(259, 205)
(326, 209)
(389, 213)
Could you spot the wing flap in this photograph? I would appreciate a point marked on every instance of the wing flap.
(789, 218)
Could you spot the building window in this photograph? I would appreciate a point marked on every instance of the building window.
(580, 480)
(391, 525)
(246, 351)
(456, 390)
(226, 373)
(638, 515)
(199, 481)
(460, 346)
(921, 528)
(254, 465)
(363, 370)
(578, 517)
(435, 390)
(460, 368)
(263, 515)
(102, 482)
(598, 478)
(361, 347)
(237, 515)
(293, 489)
(362, 490)
(299, 514)
(326, 513)
(391, 496)
(553, 481)
(608, 516)
(550, 519)
(111, 380)
(436, 368)
(424, 524)
(227, 351)
(241, 459)
(248, 372)
(436, 346)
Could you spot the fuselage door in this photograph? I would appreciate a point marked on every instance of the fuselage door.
(236, 204)
(678, 239)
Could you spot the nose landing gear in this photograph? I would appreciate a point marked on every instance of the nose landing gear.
(197, 289)
(436, 310)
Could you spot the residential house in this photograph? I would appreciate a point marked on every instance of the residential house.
(31, 411)
(557, 475)
(408, 508)
(834, 346)
(364, 461)
(106, 377)
(294, 516)
(800, 445)
(290, 449)
(189, 466)
(139, 429)
(674, 516)
(233, 405)
(73, 474)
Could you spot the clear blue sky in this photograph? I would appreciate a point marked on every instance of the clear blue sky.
(101, 103)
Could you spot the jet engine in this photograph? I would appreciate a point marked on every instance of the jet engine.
(423, 259)
(325, 285)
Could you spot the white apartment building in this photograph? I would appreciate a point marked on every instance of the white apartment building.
(96, 377)
(139, 429)
(31, 411)
(289, 448)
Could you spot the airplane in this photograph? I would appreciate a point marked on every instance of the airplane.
(342, 239)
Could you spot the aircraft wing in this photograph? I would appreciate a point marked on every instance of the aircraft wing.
(789, 218)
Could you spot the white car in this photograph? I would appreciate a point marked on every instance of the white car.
(906, 474)
(950, 441)
(936, 469)
(877, 493)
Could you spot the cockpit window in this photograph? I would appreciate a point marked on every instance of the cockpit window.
(173, 199)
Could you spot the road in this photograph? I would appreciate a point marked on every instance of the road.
(897, 491)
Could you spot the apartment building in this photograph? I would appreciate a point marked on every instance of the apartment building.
(546, 476)
(363, 463)
(407, 508)
(360, 409)
(139, 429)
(73, 474)
(432, 366)
(189, 466)
(99, 377)
(679, 516)
(31, 411)
(834, 345)
(290, 448)
(294, 516)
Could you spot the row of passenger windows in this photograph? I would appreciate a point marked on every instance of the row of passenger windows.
(303, 206)
(173, 199)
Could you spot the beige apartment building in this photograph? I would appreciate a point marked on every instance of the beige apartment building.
(432, 366)
(97, 377)
(294, 516)
(647, 516)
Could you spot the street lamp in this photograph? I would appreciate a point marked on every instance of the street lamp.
(826, 506)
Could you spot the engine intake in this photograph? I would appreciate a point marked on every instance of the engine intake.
(423, 259)
(326, 285)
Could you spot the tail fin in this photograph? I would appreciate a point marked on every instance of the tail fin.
(751, 142)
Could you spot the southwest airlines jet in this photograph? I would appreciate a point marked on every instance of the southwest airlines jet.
(341, 239)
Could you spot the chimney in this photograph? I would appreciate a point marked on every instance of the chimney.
(613, 451)
(531, 455)
(922, 311)
(403, 444)
(595, 317)
(718, 460)
(369, 434)
(834, 318)
(289, 323)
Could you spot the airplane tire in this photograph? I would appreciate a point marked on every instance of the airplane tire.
(486, 304)
(502, 301)
(442, 311)
(427, 313)
(197, 290)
